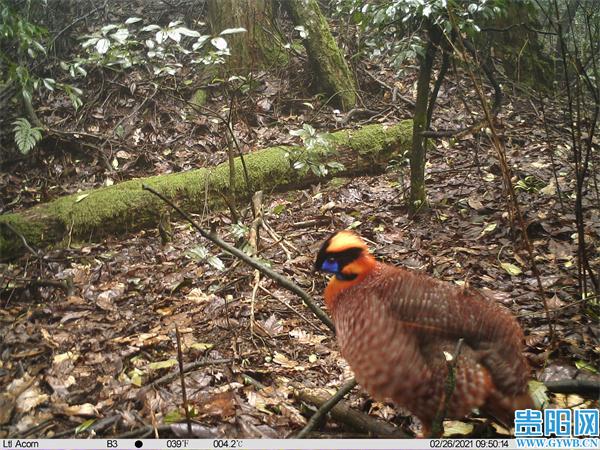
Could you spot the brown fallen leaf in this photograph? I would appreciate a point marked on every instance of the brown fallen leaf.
(218, 405)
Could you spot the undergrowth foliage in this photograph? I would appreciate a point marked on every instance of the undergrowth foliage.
(311, 157)
(23, 49)
(26, 136)
(161, 48)
(24, 46)
(393, 29)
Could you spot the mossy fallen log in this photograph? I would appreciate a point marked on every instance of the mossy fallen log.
(125, 207)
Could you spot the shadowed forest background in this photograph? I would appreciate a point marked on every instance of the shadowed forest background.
(460, 138)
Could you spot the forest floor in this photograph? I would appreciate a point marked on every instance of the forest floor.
(80, 361)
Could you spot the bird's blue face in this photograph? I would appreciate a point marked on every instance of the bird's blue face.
(336, 262)
(331, 265)
(336, 258)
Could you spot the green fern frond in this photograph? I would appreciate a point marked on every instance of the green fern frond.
(26, 136)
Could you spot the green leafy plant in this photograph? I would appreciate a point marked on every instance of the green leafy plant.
(239, 230)
(310, 158)
(391, 28)
(201, 253)
(23, 46)
(21, 43)
(26, 136)
(127, 44)
(529, 184)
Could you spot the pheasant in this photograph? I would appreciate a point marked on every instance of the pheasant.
(393, 326)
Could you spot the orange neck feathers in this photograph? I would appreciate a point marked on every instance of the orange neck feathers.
(361, 266)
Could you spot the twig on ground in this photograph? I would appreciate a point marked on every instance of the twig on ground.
(253, 241)
(280, 240)
(75, 22)
(20, 235)
(325, 408)
(356, 420)
(358, 112)
(186, 368)
(343, 413)
(182, 379)
(41, 427)
(65, 285)
(320, 221)
(585, 388)
(96, 427)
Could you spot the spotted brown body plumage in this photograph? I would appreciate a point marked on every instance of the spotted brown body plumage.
(393, 326)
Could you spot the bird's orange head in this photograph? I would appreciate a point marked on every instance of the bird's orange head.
(345, 255)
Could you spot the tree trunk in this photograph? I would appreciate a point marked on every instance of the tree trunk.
(326, 59)
(255, 49)
(566, 21)
(517, 44)
(418, 155)
(125, 207)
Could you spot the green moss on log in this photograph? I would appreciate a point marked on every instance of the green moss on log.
(126, 207)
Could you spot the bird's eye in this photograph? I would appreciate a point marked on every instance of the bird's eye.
(331, 260)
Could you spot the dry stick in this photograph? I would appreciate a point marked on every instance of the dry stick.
(98, 426)
(253, 240)
(186, 368)
(357, 420)
(48, 423)
(551, 153)
(135, 111)
(325, 408)
(182, 379)
(231, 198)
(437, 85)
(278, 240)
(506, 175)
(281, 240)
(406, 100)
(66, 286)
(278, 278)
(585, 388)
(96, 148)
(437, 427)
(227, 121)
(343, 413)
(237, 144)
(75, 22)
(312, 222)
(25, 243)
